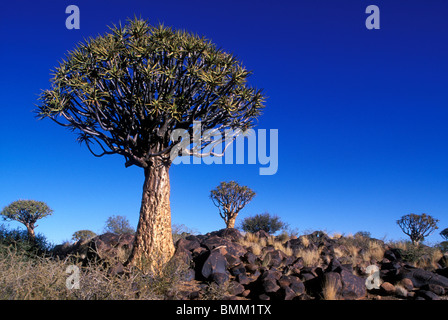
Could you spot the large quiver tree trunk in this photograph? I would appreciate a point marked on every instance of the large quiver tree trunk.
(153, 245)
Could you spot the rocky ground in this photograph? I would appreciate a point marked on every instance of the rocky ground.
(226, 265)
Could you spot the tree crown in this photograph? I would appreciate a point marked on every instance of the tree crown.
(230, 198)
(82, 235)
(26, 211)
(126, 91)
(417, 227)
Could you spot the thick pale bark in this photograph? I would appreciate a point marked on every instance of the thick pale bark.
(153, 245)
(31, 234)
(231, 222)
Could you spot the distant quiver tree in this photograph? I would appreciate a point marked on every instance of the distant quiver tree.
(230, 198)
(27, 212)
(417, 227)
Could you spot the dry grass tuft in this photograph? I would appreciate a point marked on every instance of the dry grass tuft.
(37, 278)
(311, 257)
(330, 290)
(251, 240)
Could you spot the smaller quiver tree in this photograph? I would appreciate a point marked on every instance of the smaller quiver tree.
(83, 235)
(417, 227)
(230, 198)
(26, 212)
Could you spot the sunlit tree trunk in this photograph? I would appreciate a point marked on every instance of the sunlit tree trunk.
(31, 234)
(153, 245)
(231, 222)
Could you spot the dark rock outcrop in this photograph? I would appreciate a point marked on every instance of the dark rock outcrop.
(219, 258)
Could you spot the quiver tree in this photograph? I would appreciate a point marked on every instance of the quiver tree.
(230, 198)
(83, 235)
(417, 227)
(26, 212)
(126, 92)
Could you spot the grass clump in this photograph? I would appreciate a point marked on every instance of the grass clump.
(24, 276)
(257, 243)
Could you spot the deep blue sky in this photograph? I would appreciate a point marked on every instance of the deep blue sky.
(362, 114)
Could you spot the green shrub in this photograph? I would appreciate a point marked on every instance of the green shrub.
(20, 240)
(83, 235)
(265, 222)
(118, 225)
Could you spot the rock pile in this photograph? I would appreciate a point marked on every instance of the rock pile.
(220, 258)
(240, 272)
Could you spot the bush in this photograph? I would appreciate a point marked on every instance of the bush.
(21, 241)
(83, 235)
(420, 256)
(118, 225)
(265, 222)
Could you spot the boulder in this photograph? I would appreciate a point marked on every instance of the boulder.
(252, 268)
(274, 258)
(182, 256)
(437, 289)
(297, 265)
(228, 233)
(426, 295)
(235, 288)
(232, 248)
(249, 257)
(334, 266)
(110, 246)
(187, 244)
(353, 287)
(243, 279)
(421, 277)
(387, 288)
(232, 260)
(269, 280)
(216, 263)
(284, 293)
(220, 278)
(270, 285)
(239, 269)
(407, 284)
(294, 283)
